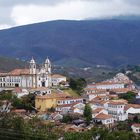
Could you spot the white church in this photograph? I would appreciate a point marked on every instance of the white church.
(28, 78)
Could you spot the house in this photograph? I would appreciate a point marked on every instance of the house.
(41, 90)
(97, 111)
(19, 92)
(73, 128)
(116, 108)
(91, 96)
(104, 119)
(56, 116)
(42, 103)
(132, 109)
(98, 104)
(136, 128)
(117, 85)
(57, 79)
(71, 108)
(106, 85)
(63, 109)
(78, 108)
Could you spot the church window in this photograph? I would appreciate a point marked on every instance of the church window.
(4, 79)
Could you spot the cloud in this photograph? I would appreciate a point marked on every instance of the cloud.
(19, 12)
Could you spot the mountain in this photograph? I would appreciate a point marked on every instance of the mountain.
(80, 43)
(7, 64)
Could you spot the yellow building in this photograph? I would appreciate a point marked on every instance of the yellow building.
(42, 103)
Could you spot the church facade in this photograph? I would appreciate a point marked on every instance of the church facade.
(28, 78)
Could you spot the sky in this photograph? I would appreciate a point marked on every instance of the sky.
(22, 12)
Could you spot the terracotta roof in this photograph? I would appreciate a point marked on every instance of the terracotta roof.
(19, 72)
(53, 115)
(117, 102)
(136, 106)
(64, 105)
(19, 111)
(101, 102)
(17, 90)
(95, 89)
(121, 90)
(74, 128)
(58, 76)
(136, 125)
(16, 72)
(97, 110)
(103, 116)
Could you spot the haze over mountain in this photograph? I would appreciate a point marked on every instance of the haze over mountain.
(81, 43)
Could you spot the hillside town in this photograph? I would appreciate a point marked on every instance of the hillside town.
(107, 102)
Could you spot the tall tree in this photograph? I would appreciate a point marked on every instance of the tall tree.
(88, 114)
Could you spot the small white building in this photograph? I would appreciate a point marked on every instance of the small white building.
(63, 109)
(97, 111)
(78, 108)
(98, 104)
(136, 128)
(107, 85)
(104, 119)
(91, 96)
(57, 79)
(132, 109)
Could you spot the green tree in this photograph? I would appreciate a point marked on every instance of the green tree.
(6, 95)
(67, 119)
(88, 114)
(78, 84)
(129, 96)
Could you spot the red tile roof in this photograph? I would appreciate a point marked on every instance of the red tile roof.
(136, 125)
(103, 116)
(97, 110)
(19, 111)
(136, 106)
(16, 72)
(58, 76)
(117, 102)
